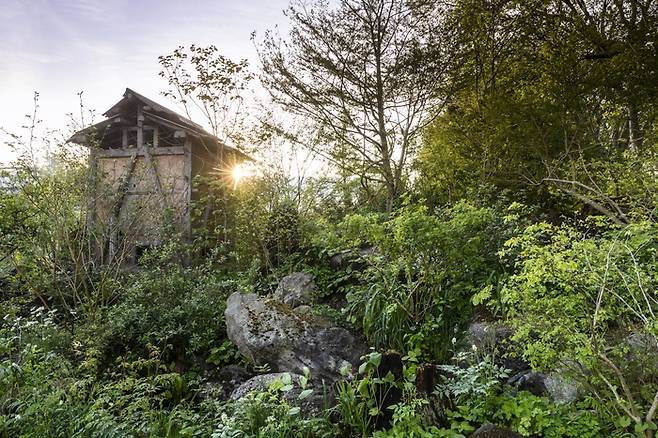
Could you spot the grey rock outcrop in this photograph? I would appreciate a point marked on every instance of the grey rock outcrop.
(530, 381)
(561, 389)
(296, 289)
(311, 399)
(495, 339)
(642, 346)
(259, 383)
(224, 381)
(304, 310)
(352, 258)
(267, 331)
(555, 385)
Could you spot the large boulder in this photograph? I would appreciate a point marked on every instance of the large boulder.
(267, 332)
(260, 383)
(554, 384)
(296, 289)
(642, 347)
(495, 339)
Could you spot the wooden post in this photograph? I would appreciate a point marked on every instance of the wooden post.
(187, 197)
(140, 128)
(124, 138)
(147, 156)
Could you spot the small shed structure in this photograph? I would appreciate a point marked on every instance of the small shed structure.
(143, 159)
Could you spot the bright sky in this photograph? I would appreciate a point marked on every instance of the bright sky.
(100, 47)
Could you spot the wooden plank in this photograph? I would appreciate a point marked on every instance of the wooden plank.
(140, 128)
(123, 153)
(150, 192)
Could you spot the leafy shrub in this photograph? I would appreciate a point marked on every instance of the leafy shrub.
(34, 376)
(478, 396)
(266, 414)
(420, 286)
(584, 296)
(178, 313)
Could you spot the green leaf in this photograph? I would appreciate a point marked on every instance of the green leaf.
(374, 411)
(482, 296)
(375, 358)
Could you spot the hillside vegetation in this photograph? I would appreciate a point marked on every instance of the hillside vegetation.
(485, 239)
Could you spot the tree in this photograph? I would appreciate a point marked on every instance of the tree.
(202, 80)
(618, 39)
(369, 74)
(551, 93)
(46, 241)
(205, 82)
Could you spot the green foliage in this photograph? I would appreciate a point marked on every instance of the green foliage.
(408, 423)
(44, 394)
(357, 400)
(478, 380)
(175, 313)
(587, 295)
(267, 414)
(478, 396)
(256, 220)
(540, 97)
(420, 285)
(527, 415)
(45, 243)
(570, 280)
(282, 234)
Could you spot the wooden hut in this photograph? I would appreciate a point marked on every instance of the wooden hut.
(143, 159)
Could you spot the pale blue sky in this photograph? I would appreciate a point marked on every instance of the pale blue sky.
(61, 47)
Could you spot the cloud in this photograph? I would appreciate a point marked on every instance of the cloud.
(92, 10)
(60, 47)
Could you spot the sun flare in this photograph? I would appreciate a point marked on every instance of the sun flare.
(237, 173)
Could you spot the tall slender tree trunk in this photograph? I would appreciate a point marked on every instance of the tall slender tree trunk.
(635, 139)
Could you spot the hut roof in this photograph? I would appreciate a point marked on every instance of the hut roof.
(158, 114)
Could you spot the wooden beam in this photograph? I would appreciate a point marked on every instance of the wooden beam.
(154, 174)
(140, 128)
(123, 153)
